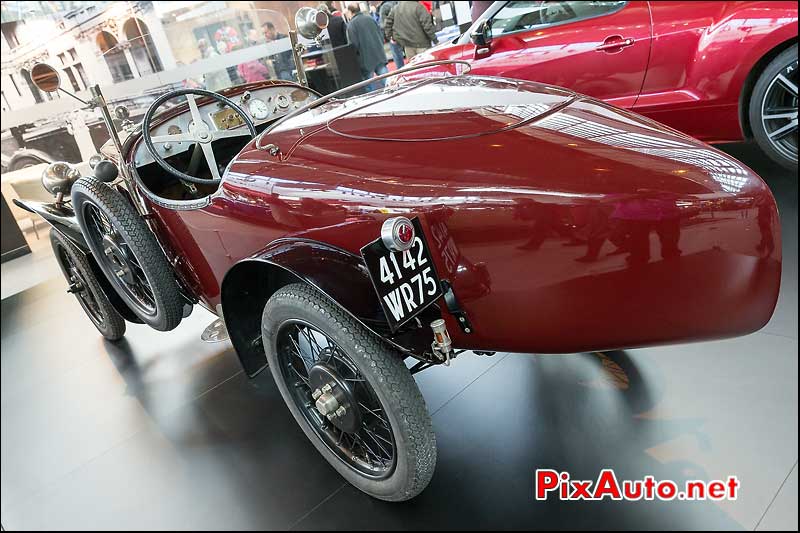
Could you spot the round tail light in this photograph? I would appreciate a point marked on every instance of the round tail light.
(397, 234)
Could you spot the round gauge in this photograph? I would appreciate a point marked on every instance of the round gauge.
(258, 109)
(174, 130)
(282, 101)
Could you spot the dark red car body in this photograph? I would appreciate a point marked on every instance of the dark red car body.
(563, 224)
(690, 65)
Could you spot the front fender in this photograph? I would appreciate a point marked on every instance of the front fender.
(59, 215)
(336, 273)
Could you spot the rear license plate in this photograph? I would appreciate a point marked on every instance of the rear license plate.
(406, 282)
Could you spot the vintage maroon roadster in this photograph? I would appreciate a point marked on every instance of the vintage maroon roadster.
(348, 243)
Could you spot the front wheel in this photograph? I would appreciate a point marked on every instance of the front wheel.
(128, 253)
(773, 109)
(351, 394)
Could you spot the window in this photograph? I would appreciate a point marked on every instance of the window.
(525, 15)
(72, 68)
(14, 83)
(82, 74)
(37, 96)
(72, 80)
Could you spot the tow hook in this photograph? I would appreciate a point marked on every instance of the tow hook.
(442, 346)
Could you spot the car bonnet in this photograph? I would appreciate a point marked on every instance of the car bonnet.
(435, 109)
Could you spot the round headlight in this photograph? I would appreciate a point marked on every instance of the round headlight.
(93, 160)
(58, 177)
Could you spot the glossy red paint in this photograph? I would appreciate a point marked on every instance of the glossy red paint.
(687, 64)
(573, 226)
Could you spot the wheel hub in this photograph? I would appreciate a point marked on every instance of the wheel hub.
(333, 398)
(201, 132)
(119, 260)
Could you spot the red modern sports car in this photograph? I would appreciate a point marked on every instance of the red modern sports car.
(719, 71)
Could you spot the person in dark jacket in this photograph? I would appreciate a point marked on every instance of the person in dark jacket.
(365, 36)
(337, 27)
(282, 61)
(383, 13)
(410, 24)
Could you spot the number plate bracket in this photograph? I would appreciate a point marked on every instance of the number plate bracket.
(454, 307)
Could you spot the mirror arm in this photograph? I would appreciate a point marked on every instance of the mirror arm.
(81, 100)
(298, 61)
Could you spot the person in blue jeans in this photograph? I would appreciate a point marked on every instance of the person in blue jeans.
(366, 37)
(397, 51)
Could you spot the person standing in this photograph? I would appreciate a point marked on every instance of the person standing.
(383, 13)
(365, 36)
(282, 61)
(253, 70)
(337, 27)
(410, 24)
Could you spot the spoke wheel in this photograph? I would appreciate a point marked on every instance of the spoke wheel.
(128, 253)
(83, 283)
(360, 435)
(128, 274)
(351, 394)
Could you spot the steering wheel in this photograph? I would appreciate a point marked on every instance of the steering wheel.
(199, 133)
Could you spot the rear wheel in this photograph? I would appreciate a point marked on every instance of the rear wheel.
(128, 253)
(351, 394)
(773, 109)
(25, 162)
(87, 290)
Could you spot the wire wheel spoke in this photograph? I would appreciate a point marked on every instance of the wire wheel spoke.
(309, 358)
(375, 414)
(303, 378)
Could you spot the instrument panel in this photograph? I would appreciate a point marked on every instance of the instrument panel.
(262, 105)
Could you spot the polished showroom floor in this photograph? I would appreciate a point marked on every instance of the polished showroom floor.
(164, 431)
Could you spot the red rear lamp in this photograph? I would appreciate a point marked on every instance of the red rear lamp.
(397, 234)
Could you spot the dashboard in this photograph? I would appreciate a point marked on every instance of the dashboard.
(262, 106)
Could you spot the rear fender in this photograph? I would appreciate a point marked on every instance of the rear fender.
(336, 273)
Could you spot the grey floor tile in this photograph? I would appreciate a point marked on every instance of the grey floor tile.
(782, 514)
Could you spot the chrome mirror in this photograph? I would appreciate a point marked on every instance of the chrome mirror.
(310, 22)
(45, 78)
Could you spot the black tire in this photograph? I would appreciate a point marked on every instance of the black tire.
(783, 149)
(25, 162)
(387, 376)
(86, 288)
(157, 301)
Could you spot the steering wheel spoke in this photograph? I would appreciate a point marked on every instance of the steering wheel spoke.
(199, 133)
(174, 138)
(208, 151)
(197, 118)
